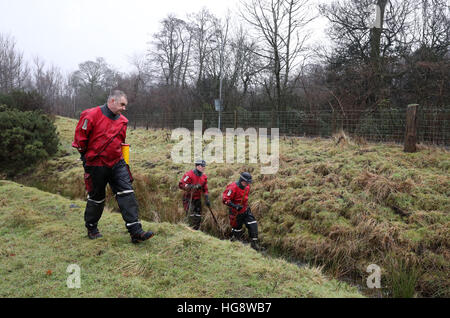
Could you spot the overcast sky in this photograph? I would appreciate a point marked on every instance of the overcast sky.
(68, 32)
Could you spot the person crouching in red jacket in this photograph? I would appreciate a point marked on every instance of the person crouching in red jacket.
(194, 183)
(98, 137)
(236, 198)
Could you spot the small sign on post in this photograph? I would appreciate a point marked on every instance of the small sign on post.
(219, 108)
(218, 105)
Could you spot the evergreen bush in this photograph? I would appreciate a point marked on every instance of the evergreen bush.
(25, 139)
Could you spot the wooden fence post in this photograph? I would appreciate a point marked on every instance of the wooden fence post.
(333, 124)
(411, 128)
(235, 119)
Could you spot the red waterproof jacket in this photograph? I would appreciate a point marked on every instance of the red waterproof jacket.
(99, 137)
(191, 178)
(236, 195)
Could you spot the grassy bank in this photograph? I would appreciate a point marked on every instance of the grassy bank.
(341, 205)
(41, 234)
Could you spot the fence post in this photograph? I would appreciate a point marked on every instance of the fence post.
(411, 128)
(203, 123)
(333, 124)
(235, 119)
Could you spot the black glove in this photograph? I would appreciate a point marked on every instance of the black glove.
(197, 187)
(208, 204)
(83, 159)
(236, 206)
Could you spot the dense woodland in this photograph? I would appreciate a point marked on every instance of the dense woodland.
(264, 58)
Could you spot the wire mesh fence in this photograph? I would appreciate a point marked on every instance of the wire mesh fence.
(433, 124)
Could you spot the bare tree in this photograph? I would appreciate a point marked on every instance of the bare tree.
(172, 50)
(366, 58)
(203, 26)
(433, 32)
(48, 82)
(94, 80)
(14, 71)
(245, 63)
(280, 26)
(355, 36)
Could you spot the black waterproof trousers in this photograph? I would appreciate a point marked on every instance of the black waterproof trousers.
(193, 212)
(249, 220)
(120, 180)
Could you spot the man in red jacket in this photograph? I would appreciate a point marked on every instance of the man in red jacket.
(195, 182)
(98, 137)
(236, 197)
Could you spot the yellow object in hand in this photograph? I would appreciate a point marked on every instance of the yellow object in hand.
(126, 153)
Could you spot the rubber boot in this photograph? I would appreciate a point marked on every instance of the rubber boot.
(236, 235)
(141, 236)
(255, 245)
(94, 234)
(195, 222)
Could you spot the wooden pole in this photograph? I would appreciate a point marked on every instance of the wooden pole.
(411, 129)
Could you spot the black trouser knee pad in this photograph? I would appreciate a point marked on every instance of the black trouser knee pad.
(195, 214)
(129, 208)
(253, 230)
(251, 224)
(195, 221)
(93, 213)
(237, 233)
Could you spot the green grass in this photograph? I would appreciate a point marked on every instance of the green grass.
(41, 235)
(331, 205)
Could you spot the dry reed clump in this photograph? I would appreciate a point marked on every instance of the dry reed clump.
(425, 218)
(152, 205)
(335, 257)
(225, 172)
(323, 169)
(274, 184)
(381, 187)
(339, 233)
(301, 246)
(266, 177)
(221, 229)
(341, 138)
(360, 141)
(332, 179)
(380, 236)
(301, 208)
(437, 238)
(284, 160)
(259, 208)
(302, 212)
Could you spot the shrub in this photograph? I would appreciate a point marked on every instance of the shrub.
(26, 138)
(24, 101)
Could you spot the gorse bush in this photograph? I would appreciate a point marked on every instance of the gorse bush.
(25, 139)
